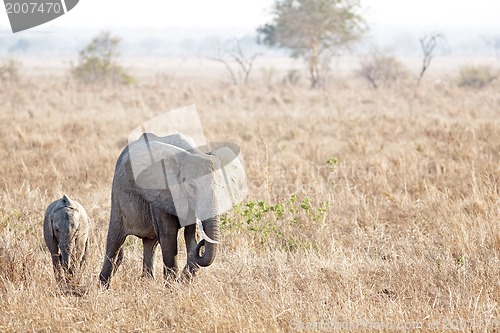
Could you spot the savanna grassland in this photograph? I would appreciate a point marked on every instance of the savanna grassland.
(365, 206)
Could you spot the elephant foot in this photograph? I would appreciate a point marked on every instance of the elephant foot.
(147, 274)
(188, 274)
(170, 274)
(104, 281)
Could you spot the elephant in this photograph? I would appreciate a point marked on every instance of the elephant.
(161, 184)
(66, 231)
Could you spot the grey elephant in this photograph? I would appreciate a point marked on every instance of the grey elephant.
(162, 184)
(66, 231)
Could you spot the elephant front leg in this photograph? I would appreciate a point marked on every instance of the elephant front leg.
(149, 247)
(168, 243)
(58, 272)
(191, 267)
(166, 227)
(112, 259)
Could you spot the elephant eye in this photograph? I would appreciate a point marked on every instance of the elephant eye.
(56, 229)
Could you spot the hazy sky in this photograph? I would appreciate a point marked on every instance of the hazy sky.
(250, 13)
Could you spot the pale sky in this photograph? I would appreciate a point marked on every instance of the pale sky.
(248, 14)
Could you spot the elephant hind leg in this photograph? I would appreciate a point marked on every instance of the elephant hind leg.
(85, 252)
(149, 247)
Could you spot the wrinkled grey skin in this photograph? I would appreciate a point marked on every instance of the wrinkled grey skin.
(150, 214)
(66, 230)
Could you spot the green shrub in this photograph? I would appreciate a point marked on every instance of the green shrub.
(476, 76)
(288, 225)
(98, 62)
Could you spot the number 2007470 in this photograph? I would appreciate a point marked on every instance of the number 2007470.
(33, 7)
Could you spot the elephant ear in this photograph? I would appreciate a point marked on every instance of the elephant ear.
(234, 173)
(155, 168)
(64, 202)
(67, 202)
(84, 219)
(48, 233)
(155, 164)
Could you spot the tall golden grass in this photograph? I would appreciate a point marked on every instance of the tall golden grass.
(396, 218)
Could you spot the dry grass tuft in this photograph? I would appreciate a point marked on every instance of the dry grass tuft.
(369, 205)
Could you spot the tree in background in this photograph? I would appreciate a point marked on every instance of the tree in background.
(237, 63)
(99, 61)
(428, 44)
(314, 30)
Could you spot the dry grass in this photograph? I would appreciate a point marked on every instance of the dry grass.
(411, 233)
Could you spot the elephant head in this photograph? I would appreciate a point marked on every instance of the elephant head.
(190, 184)
(65, 231)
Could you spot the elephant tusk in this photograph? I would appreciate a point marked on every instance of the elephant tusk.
(203, 234)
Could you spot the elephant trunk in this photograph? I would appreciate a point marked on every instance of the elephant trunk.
(66, 257)
(212, 230)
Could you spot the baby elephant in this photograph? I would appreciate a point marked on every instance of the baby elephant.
(66, 230)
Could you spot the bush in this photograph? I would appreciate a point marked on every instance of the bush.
(9, 70)
(289, 225)
(476, 76)
(381, 69)
(99, 62)
(292, 77)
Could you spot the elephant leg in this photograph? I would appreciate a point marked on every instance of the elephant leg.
(167, 229)
(119, 259)
(83, 260)
(114, 254)
(56, 264)
(149, 247)
(168, 243)
(85, 249)
(190, 237)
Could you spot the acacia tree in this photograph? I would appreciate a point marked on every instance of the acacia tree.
(313, 30)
